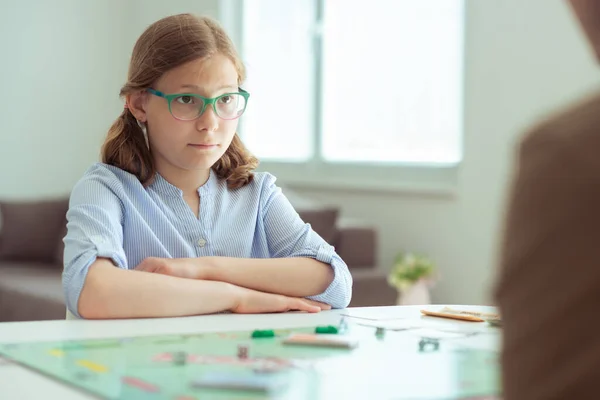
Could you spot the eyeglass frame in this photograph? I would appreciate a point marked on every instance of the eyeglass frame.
(205, 100)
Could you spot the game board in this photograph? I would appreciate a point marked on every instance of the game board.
(178, 367)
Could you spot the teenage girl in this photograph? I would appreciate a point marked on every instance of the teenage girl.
(174, 221)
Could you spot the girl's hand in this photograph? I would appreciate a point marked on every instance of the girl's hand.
(254, 302)
(179, 267)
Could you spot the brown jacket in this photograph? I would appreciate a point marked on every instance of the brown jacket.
(548, 286)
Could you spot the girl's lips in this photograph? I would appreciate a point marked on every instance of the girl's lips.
(203, 146)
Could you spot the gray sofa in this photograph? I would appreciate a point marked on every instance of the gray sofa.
(31, 258)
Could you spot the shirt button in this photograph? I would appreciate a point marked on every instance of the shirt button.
(201, 242)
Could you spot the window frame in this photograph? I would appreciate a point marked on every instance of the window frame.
(438, 179)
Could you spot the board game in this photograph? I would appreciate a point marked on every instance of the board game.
(345, 361)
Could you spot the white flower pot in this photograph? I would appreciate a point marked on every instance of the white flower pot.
(417, 294)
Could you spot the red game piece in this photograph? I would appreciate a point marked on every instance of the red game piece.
(242, 352)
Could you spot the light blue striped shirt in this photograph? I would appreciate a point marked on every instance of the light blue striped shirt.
(112, 215)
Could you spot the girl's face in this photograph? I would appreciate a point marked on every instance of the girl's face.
(195, 144)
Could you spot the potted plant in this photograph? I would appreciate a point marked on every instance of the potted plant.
(412, 275)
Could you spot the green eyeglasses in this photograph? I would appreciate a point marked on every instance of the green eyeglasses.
(189, 106)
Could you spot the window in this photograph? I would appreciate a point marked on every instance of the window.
(342, 85)
(278, 50)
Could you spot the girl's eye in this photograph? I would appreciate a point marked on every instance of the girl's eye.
(185, 99)
(225, 99)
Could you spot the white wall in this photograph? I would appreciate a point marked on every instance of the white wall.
(60, 74)
(524, 58)
(64, 61)
(144, 12)
(62, 65)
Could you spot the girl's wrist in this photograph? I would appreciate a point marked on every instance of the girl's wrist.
(237, 295)
(203, 268)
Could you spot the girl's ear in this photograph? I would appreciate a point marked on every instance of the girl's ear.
(136, 102)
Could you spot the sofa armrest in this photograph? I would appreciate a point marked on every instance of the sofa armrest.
(357, 246)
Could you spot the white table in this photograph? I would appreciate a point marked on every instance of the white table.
(17, 382)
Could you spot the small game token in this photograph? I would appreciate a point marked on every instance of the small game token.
(179, 358)
(379, 332)
(330, 329)
(321, 340)
(263, 333)
(242, 352)
(435, 343)
(343, 325)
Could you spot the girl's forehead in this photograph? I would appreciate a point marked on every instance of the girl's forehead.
(205, 74)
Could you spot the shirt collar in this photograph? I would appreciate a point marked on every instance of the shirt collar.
(161, 185)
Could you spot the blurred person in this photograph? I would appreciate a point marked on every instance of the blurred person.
(548, 284)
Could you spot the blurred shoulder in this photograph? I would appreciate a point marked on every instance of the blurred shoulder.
(575, 130)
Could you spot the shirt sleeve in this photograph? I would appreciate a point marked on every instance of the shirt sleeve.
(94, 229)
(288, 236)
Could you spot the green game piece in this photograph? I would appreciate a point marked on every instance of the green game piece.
(263, 333)
(326, 329)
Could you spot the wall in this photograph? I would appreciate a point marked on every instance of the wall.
(524, 58)
(60, 85)
(143, 13)
(63, 63)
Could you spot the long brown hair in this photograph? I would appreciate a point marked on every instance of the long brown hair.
(166, 44)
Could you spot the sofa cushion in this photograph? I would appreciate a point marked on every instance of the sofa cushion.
(30, 292)
(370, 288)
(31, 230)
(60, 248)
(321, 217)
(357, 244)
(323, 221)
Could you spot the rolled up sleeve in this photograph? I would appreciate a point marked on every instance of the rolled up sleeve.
(94, 229)
(289, 236)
